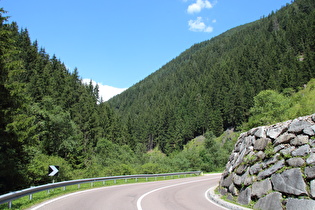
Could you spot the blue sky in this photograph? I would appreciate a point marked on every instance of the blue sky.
(118, 43)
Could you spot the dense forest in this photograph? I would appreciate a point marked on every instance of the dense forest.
(211, 86)
(48, 116)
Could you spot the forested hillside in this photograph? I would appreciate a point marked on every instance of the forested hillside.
(211, 86)
(49, 117)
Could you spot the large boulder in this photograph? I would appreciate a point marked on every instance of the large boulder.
(270, 202)
(303, 204)
(289, 182)
(297, 126)
(245, 196)
(268, 172)
(259, 189)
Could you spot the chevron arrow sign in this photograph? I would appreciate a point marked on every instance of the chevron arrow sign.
(53, 170)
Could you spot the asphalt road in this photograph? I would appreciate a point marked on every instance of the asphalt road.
(185, 193)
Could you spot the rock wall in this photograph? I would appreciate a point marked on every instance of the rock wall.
(273, 167)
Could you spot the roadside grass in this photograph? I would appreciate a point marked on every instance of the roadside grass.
(36, 198)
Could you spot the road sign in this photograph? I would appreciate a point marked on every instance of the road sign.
(53, 170)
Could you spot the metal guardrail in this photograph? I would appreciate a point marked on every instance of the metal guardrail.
(9, 197)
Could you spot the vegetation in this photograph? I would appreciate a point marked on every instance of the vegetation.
(271, 106)
(212, 85)
(245, 77)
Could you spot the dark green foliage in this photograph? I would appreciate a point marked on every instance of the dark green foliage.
(49, 117)
(211, 86)
(271, 107)
(46, 113)
(13, 156)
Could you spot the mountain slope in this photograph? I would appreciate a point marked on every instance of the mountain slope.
(211, 85)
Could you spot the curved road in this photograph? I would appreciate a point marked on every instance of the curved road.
(185, 193)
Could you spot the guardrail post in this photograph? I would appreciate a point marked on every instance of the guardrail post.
(115, 181)
(10, 204)
(79, 186)
(146, 178)
(104, 182)
(136, 179)
(31, 197)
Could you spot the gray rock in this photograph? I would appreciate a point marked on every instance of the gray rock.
(260, 189)
(232, 156)
(302, 151)
(248, 180)
(299, 140)
(245, 179)
(312, 188)
(294, 204)
(283, 139)
(295, 162)
(244, 196)
(230, 197)
(261, 132)
(223, 191)
(297, 126)
(261, 155)
(290, 181)
(256, 168)
(237, 180)
(310, 172)
(260, 144)
(272, 160)
(233, 190)
(274, 132)
(268, 172)
(227, 181)
(252, 131)
(279, 147)
(309, 130)
(237, 147)
(239, 159)
(311, 159)
(241, 169)
(287, 150)
(271, 201)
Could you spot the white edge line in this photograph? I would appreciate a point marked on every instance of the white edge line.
(139, 207)
(207, 197)
(36, 207)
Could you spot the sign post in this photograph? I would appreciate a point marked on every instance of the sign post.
(53, 171)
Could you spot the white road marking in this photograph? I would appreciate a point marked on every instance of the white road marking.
(75, 193)
(139, 207)
(206, 195)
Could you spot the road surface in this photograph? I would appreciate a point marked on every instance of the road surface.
(185, 193)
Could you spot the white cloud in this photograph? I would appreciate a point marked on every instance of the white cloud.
(198, 6)
(199, 26)
(214, 21)
(105, 91)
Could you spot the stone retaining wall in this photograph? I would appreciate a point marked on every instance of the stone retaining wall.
(273, 166)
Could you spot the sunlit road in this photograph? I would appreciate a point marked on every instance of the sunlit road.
(186, 193)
